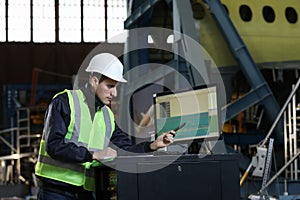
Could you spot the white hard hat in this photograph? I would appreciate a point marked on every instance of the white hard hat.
(108, 65)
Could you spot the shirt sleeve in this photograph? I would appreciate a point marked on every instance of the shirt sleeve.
(57, 120)
(122, 141)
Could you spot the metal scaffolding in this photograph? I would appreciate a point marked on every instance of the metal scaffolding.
(21, 145)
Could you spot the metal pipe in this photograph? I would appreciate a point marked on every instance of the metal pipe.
(290, 138)
(13, 149)
(294, 138)
(245, 174)
(273, 127)
(281, 112)
(281, 170)
(30, 136)
(16, 156)
(285, 193)
(285, 139)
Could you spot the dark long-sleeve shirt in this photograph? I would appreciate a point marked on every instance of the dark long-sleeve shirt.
(59, 110)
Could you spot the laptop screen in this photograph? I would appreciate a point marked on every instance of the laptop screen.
(197, 109)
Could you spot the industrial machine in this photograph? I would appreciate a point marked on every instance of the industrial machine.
(245, 37)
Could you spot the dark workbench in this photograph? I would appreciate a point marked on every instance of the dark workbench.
(173, 177)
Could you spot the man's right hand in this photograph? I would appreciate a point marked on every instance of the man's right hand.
(104, 154)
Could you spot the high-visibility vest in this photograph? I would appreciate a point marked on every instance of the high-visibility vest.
(94, 135)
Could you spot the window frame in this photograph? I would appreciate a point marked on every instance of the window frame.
(56, 26)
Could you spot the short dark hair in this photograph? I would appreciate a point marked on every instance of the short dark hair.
(100, 77)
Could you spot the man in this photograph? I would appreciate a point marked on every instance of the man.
(80, 131)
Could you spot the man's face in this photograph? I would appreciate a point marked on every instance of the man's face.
(105, 90)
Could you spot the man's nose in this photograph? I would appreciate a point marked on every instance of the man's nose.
(114, 91)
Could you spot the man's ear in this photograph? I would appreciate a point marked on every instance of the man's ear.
(94, 81)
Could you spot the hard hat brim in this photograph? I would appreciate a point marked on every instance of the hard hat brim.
(122, 80)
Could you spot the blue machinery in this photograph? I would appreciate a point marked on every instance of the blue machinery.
(141, 12)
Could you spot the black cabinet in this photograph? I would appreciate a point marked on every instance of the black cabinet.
(213, 177)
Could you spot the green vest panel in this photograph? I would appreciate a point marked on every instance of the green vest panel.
(93, 135)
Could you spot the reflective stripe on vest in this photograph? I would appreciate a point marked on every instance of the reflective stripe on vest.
(100, 129)
(74, 129)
